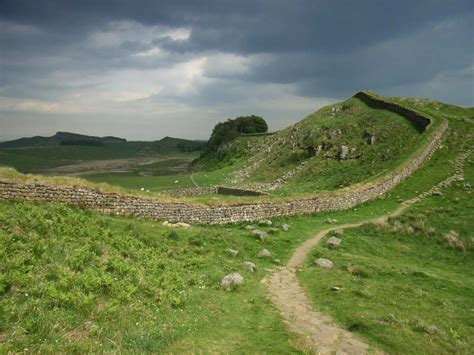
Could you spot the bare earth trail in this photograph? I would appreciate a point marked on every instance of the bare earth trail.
(318, 332)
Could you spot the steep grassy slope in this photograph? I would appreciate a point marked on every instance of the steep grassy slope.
(337, 146)
(408, 284)
(72, 280)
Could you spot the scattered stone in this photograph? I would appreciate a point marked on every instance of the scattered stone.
(437, 193)
(264, 253)
(232, 280)
(453, 240)
(285, 227)
(250, 266)
(260, 234)
(265, 222)
(336, 289)
(333, 242)
(273, 230)
(325, 263)
(174, 225)
(233, 252)
(339, 232)
(467, 185)
(331, 220)
(250, 227)
(372, 140)
(344, 152)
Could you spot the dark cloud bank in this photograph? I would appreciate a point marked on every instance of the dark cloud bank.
(144, 69)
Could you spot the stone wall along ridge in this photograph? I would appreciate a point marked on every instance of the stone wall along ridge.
(108, 202)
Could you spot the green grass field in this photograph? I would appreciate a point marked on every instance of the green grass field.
(407, 287)
(74, 280)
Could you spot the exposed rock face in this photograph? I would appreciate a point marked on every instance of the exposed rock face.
(250, 266)
(333, 242)
(232, 280)
(324, 263)
(344, 152)
(264, 253)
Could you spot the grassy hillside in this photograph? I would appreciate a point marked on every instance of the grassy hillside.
(336, 146)
(74, 280)
(79, 281)
(57, 139)
(408, 284)
(39, 154)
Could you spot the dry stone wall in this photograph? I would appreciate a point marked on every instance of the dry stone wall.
(180, 212)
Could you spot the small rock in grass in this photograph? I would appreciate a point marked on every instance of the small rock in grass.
(333, 242)
(232, 280)
(232, 252)
(165, 223)
(248, 265)
(249, 227)
(325, 263)
(273, 230)
(285, 227)
(265, 221)
(339, 232)
(260, 234)
(336, 289)
(437, 193)
(331, 220)
(264, 253)
(183, 225)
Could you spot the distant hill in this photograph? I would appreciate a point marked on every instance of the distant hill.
(37, 154)
(60, 138)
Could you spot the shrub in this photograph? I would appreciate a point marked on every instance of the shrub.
(173, 235)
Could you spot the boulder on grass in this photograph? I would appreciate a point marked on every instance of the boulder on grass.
(260, 234)
(264, 253)
(230, 281)
(232, 252)
(333, 242)
(250, 266)
(324, 263)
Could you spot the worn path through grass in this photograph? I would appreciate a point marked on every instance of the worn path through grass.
(320, 334)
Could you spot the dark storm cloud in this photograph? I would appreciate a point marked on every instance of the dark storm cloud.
(317, 48)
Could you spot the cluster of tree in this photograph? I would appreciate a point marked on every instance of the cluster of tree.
(227, 131)
(191, 146)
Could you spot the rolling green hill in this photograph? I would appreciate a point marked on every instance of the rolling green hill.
(337, 146)
(38, 154)
(58, 139)
(74, 280)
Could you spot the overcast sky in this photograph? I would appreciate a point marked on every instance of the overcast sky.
(147, 69)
